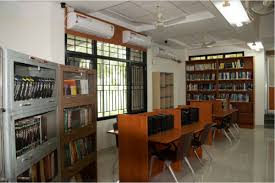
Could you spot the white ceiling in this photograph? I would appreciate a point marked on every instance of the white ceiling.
(134, 14)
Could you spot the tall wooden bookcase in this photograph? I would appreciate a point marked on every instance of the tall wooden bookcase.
(77, 124)
(163, 90)
(227, 78)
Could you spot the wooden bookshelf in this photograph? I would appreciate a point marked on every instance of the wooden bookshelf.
(163, 90)
(77, 124)
(227, 78)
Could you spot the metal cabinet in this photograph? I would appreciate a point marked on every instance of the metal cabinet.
(29, 90)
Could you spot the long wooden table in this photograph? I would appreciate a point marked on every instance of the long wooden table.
(172, 135)
(223, 114)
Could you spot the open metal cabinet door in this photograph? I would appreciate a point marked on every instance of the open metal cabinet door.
(2, 172)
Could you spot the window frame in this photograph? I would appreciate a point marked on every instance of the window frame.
(129, 64)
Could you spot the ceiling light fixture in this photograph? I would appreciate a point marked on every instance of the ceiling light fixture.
(232, 11)
(257, 46)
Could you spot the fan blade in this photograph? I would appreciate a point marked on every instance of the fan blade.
(209, 43)
(144, 28)
(174, 20)
(180, 43)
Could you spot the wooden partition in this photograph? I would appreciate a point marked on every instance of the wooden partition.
(134, 153)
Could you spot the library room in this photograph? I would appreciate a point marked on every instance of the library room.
(137, 91)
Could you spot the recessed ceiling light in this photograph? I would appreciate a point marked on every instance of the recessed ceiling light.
(257, 46)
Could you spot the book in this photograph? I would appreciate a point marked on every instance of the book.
(75, 118)
(76, 87)
(31, 87)
(79, 149)
(28, 133)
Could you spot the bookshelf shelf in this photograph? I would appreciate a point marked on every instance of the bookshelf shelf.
(77, 124)
(236, 69)
(78, 166)
(222, 77)
(201, 91)
(199, 71)
(201, 81)
(79, 133)
(163, 89)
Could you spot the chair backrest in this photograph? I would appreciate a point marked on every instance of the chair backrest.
(205, 133)
(234, 117)
(115, 126)
(184, 145)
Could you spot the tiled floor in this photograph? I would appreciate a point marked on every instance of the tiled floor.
(250, 158)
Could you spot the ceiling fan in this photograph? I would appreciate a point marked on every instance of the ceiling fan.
(204, 44)
(261, 8)
(160, 22)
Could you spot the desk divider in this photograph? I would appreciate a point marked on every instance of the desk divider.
(134, 155)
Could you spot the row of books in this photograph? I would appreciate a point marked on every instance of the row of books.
(193, 77)
(189, 115)
(201, 67)
(75, 118)
(235, 97)
(167, 102)
(29, 133)
(235, 75)
(166, 79)
(29, 87)
(236, 86)
(44, 170)
(195, 87)
(160, 123)
(232, 65)
(79, 149)
(200, 97)
(76, 87)
(87, 174)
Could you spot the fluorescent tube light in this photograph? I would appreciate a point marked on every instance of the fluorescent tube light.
(233, 11)
(256, 46)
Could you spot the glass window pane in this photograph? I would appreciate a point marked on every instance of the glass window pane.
(79, 44)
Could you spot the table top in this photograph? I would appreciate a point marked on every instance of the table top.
(222, 114)
(166, 137)
(115, 132)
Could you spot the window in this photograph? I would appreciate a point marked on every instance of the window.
(121, 74)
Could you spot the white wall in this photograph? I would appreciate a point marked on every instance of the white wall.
(259, 74)
(34, 28)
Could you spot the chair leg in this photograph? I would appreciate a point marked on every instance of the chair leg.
(197, 156)
(151, 165)
(214, 133)
(210, 157)
(232, 133)
(236, 128)
(189, 165)
(168, 164)
(227, 136)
